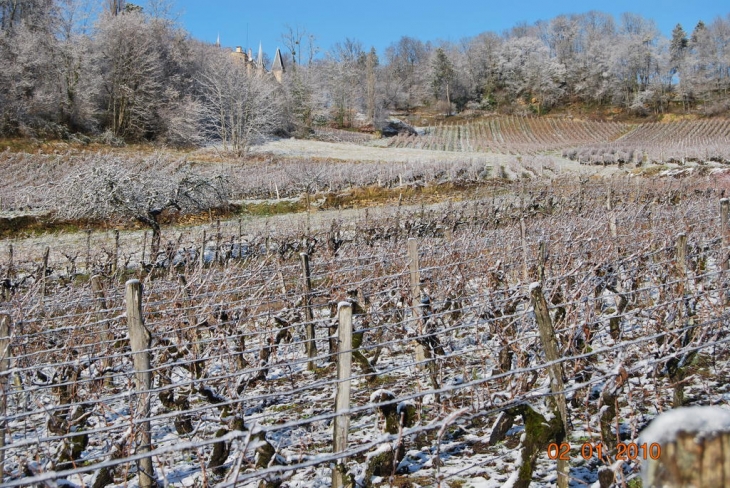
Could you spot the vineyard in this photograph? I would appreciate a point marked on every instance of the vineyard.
(481, 333)
(584, 141)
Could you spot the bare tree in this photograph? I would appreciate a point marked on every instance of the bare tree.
(130, 65)
(239, 106)
(370, 65)
(142, 192)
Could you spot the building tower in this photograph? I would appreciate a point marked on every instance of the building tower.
(277, 68)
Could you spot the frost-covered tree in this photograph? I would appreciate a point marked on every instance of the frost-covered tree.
(142, 191)
(407, 70)
(345, 71)
(130, 68)
(239, 106)
(527, 71)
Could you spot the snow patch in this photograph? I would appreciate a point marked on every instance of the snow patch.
(702, 421)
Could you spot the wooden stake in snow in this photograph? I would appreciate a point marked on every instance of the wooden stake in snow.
(342, 400)
(311, 347)
(4, 367)
(687, 447)
(140, 339)
(550, 346)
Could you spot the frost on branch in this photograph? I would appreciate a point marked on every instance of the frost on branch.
(141, 191)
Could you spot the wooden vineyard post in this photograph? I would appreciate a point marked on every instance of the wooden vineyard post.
(687, 446)
(415, 291)
(9, 274)
(44, 268)
(140, 339)
(342, 398)
(724, 214)
(144, 247)
(311, 347)
(542, 261)
(682, 261)
(4, 367)
(216, 255)
(523, 239)
(5, 294)
(202, 252)
(115, 264)
(97, 290)
(87, 263)
(613, 229)
(550, 346)
(191, 334)
(415, 273)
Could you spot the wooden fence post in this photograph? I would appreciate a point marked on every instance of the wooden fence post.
(550, 346)
(140, 340)
(311, 346)
(687, 446)
(4, 384)
(342, 399)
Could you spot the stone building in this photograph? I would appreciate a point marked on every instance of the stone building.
(257, 65)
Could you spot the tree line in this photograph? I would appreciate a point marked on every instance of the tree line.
(118, 72)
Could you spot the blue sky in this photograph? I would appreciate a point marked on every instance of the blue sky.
(381, 23)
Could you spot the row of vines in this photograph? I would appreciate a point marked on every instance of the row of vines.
(585, 141)
(450, 380)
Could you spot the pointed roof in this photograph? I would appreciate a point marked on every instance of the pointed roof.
(278, 62)
(218, 40)
(260, 58)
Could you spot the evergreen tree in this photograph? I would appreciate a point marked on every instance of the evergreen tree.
(677, 47)
(442, 76)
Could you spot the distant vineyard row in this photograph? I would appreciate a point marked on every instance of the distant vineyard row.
(585, 141)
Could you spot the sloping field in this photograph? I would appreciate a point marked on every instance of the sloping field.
(514, 135)
(587, 142)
